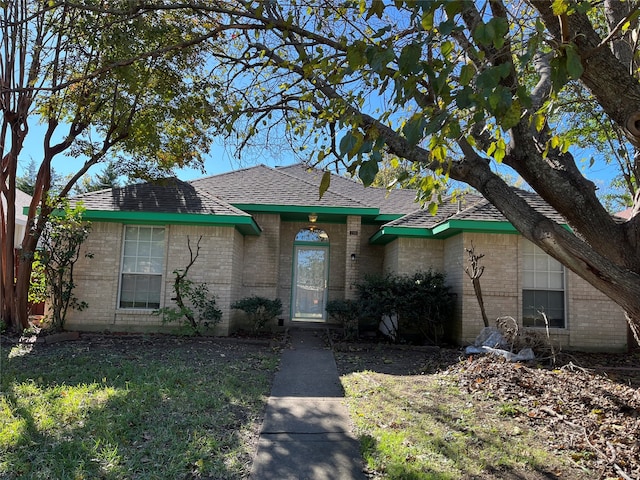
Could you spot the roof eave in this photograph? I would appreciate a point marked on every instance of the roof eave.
(245, 224)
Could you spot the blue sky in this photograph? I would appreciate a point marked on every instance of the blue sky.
(221, 159)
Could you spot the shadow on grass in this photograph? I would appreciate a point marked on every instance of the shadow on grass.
(452, 451)
(124, 409)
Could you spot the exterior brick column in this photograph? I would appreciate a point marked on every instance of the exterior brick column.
(352, 267)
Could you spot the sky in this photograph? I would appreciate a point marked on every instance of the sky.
(221, 159)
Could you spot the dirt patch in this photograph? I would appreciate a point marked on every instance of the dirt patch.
(587, 406)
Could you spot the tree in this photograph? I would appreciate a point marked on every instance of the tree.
(61, 239)
(27, 181)
(105, 80)
(456, 87)
(108, 178)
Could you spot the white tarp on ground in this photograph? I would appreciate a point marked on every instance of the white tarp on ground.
(491, 341)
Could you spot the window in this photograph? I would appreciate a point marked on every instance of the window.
(142, 266)
(542, 288)
(312, 234)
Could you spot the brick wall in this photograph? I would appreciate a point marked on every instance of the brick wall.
(593, 321)
(98, 277)
(352, 267)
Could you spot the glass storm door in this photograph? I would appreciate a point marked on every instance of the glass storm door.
(310, 277)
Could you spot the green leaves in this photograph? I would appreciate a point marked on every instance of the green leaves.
(409, 61)
(368, 171)
(325, 183)
(566, 66)
(494, 32)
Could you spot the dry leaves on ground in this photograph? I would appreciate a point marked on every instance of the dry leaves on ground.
(595, 418)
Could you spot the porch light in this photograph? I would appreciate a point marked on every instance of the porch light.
(353, 257)
(313, 218)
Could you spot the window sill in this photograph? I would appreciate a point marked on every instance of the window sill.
(136, 311)
(552, 330)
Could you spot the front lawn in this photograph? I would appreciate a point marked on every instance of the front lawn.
(132, 408)
(430, 415)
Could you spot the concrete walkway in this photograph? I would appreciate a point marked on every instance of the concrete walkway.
(306, 429)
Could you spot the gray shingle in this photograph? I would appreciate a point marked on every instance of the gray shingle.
(473, 207)
(264, 185)
(396, 201)
(165, 196)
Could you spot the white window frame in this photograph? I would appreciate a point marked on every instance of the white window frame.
(160, 274)
(538, 275)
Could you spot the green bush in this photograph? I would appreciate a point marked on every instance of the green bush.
(260, 310)
(196, 306)
(422, 303)
(346, 312)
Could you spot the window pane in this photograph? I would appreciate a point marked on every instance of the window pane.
(538, 302)
(144, 249)
(130, 248)
(527, 279)
(131, 233)
(142, 267)
(140, 291)
(541, 280)
(144, 234)
(158, 235)
(556, 281)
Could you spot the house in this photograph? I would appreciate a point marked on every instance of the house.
(22, 201)
(265, 231)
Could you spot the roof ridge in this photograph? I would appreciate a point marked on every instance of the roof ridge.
(339, 194)
(202, 191)
(231, 172)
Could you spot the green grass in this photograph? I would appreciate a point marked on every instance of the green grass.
(131, 411)
(423, 427)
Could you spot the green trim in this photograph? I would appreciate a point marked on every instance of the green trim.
(389, 217)
(245, 224)
(452, 227)
(307, 209)
(445, 230)
(388, 234)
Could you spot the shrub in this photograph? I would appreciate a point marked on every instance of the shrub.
(260, 310)
(62, 238)
(347, 313)
(422, 303)
(196, 307)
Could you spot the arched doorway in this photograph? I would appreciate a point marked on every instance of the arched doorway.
(310, 275)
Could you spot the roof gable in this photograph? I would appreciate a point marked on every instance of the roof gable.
(388, 202)
(472, 213)
(262, 185)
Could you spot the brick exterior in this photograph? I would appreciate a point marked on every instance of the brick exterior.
(593, 322)
(236, 266)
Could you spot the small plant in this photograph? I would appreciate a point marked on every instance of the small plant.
(347, 313)
(196, 307)
(260, 310)
(510, 410)
(62, 237)
(3, 326)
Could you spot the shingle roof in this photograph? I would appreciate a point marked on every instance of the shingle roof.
(424, 219)
(264, 185)
(472, 207)
(397, 201)
(166, 196)
(293, 185)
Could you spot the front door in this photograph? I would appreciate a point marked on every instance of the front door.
(310, 277)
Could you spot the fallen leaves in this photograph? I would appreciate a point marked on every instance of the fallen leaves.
(598, 419)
